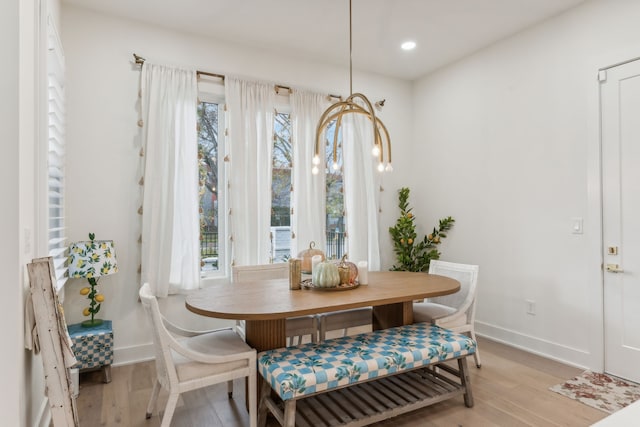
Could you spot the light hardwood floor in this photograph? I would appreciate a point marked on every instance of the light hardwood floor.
(511, 389)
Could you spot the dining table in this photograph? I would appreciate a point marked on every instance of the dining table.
(265, 304)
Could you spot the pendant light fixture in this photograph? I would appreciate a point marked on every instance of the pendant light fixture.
(356, 103)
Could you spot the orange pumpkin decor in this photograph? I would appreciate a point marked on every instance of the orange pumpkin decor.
(348, 271)
(306, 256)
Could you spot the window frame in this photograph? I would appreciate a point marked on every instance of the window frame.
(282, 106)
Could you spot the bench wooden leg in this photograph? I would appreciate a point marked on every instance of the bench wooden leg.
(476, 355)
(263, 409)
(465, 382)
(289, 413)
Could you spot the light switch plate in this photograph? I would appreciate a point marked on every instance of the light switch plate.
(577, 225)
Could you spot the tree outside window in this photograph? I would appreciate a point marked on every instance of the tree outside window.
(208, 174)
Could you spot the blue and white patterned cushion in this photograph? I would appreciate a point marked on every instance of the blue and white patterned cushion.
(314, 367)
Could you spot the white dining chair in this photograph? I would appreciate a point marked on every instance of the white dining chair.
(343, 320)
(296, 327)
(457, 311)
(188, 360)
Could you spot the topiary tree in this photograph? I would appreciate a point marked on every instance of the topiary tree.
(412, 255)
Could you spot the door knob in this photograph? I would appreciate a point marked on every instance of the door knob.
(614, 268)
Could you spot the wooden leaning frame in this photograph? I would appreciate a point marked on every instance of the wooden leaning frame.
(49, 318)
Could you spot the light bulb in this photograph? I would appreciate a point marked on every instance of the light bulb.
(335, 166)
(389, 168)
(315, 170)
(376, 150)
(316, 160)
(408, 45)
(380, 167)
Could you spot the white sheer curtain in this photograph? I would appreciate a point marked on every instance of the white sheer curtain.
(308, 198)
(249, 150)
(361, 191)
(170, 222)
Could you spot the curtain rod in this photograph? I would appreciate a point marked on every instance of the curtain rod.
(140, 60)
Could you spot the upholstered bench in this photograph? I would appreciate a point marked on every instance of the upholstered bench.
(365, 378)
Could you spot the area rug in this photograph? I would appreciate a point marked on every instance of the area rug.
(601, 391)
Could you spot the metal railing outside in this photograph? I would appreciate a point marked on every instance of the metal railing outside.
(281, 247)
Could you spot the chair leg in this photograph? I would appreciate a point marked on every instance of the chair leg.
(230, 388)
(263, 409)
(322, 329)
(476, 355)
(465, 382)
(169, 409)
(253, 399)
(154, 398)
(289, 413)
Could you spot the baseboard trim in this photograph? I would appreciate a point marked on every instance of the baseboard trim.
(133, 354)
(560, 353)
(44, 414)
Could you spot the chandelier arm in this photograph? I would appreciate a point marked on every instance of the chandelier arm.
(377, 140)
(386, 134)
(322, 124)
(365, 100)
(335, 135)
(356, 109)
(374, 120)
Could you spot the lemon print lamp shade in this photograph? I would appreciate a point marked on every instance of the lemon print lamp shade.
(91, 260)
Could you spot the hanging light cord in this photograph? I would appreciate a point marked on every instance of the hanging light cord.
(350, 51)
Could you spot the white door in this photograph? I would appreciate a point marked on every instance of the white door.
(620, 115)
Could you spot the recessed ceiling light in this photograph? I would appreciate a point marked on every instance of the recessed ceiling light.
(409, 45)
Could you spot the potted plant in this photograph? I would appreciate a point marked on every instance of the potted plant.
(413, 254)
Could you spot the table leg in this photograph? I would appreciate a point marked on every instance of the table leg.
(390, 315)
(265, 335)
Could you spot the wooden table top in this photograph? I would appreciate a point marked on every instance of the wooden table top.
(272, 299)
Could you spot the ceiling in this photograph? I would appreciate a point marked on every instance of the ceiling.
(444, 30)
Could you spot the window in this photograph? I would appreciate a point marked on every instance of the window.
(57, 247)
(211, 196)
(281, 194)
(281, 189)
(335, 198)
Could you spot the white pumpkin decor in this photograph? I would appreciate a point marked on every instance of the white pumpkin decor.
(326, 275)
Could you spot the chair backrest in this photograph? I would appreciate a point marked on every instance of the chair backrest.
(247, 273)
(164, 362)
(467, 275)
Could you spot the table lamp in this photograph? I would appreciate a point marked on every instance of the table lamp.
(91, 260)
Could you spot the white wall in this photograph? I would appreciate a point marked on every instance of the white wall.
(507, 143)
(102, 137)
(9, 258)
